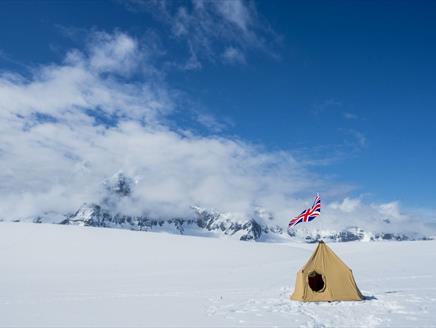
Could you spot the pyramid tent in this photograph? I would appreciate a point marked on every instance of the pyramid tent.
(325, 278)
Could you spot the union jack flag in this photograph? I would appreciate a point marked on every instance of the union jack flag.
(309, 214)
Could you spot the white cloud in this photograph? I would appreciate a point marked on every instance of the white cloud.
(236, 12)
(233, 55)
(206, 27)
(359, 138)
(350, 116)
(85, 82)
(392, 209)
(55, 152)
(348, 205)
(210, 122)
(377, 217)
(116, 53)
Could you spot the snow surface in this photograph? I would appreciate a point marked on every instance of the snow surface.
(54, 275)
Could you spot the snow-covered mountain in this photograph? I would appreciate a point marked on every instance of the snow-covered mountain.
(205, 222)
(212, 223)
(118, 190)
(353, 234)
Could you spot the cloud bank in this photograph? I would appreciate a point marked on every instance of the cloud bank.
(71, 125)
(68, 126)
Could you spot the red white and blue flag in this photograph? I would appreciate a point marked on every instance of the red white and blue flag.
(309, 214)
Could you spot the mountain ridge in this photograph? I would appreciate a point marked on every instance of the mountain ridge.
(205, 222)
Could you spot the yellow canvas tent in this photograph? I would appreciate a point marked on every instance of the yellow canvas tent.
(325, 278)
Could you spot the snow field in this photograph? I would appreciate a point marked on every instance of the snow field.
(69, 276)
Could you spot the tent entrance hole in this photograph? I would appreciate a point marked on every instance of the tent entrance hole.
(316, 283)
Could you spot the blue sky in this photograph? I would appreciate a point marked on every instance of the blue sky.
(347, 88)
